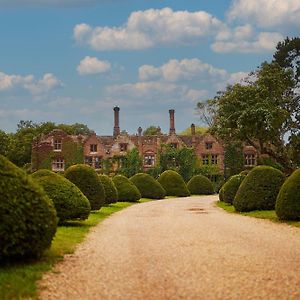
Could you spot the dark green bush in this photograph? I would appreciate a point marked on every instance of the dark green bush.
(221, 194)
(69, 201)
(86, 178)
(111, 193)
(231, 187)
(200, 185)
(173, 184)
(288, 200)
(245, 172)
(148, 186)
(27, 216)
(127, 191)
(259, 189)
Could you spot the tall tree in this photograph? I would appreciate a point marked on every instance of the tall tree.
(151, 130)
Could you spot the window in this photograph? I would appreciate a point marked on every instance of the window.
(97, 162)
(123, 147)
(93, 148)
(205, 159)
(93, 161)
(214, 159)
(149, 160)
(58, 164)
(88, 160)
(174, 145)
(57, 144)
(208, 145)
(250, 160)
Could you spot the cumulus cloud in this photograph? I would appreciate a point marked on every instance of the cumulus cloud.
(244, 39)
(146, 29)
(266, 13)
(93, 65)
(34, 86)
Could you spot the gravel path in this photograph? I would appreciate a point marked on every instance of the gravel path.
(180, 249)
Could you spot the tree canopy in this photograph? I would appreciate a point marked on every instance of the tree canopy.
(151, 130)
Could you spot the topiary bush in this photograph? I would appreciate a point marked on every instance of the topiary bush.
(221, 193)
(173, 184)
(288, 200)
(148, 186)
(28, 217)
(259, 189)
(200, 185)
(111, 193)
(127, 191)
(231, 187)
(87, 180)
(70, 203)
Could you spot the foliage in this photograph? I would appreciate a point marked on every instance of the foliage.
(107, 166)
(151, 130)
(173, 184)
(148, 186)
(132, 163)
(288, 200)
(233, 159)
(259, 189)
(5, 141)
(198, 129)
(87, 180)
(154, 171)
(127, 191)
(28, 218)
(69, 201)
(111, 193)
(230, 188)
(200, 185)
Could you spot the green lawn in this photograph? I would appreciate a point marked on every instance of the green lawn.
(261, 214)
(18, 280)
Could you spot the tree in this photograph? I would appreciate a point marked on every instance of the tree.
(198, 129)
(151, 130)
(131, 163)
(4, 143)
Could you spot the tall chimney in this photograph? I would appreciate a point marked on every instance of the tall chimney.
(117, 121)
(193, 132)
(172, 121)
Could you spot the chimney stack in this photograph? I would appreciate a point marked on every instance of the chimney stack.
(172, 121)
(140, 130)
(193, 129)
(117, 121)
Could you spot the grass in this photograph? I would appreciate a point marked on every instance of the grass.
(260, 214)
(18, 280)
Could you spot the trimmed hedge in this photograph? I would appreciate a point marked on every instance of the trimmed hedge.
(288, 200)
(231, 187)
(87, 180)
(200, 185)
(221, 194)
(148, 186)
(173, 184)
(259, 189)
(127, 191)
(28, 217)
(69, 201)
(111, 193)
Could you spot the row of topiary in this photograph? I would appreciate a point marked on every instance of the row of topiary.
(264, 188)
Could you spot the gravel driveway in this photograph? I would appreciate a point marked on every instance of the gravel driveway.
(180, 249)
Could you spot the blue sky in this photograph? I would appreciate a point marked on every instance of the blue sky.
(72, 60)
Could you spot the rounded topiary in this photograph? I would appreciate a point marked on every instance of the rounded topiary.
(259, 189)
(111, 193)
(148, 186)
(70, 203)
(200, 185)
(221, 193)
(86, 178)
(231, 187)
(288, 200)
(173, 184)
(27, 216)
(127, 191)
(245, 172)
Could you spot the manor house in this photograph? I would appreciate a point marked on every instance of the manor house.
(58, 150)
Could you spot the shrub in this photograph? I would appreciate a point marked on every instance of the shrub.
(200, 185)
(288, 200)
(86, 178)
(148, 186)
(231, 187)
(127, 191)
(259, 189)
(221, 194)
(245, 172)
(28, 218)
(173, 184)
(111, 193)
(69, 201)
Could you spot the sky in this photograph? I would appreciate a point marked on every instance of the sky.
(71, 61)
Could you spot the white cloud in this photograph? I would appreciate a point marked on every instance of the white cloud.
(146, 29)
(28, 82)
(266, 13)
(93, 65)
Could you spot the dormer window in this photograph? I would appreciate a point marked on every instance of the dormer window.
(93, 148)
(123, 147)
(208, 145)
(57, 145)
